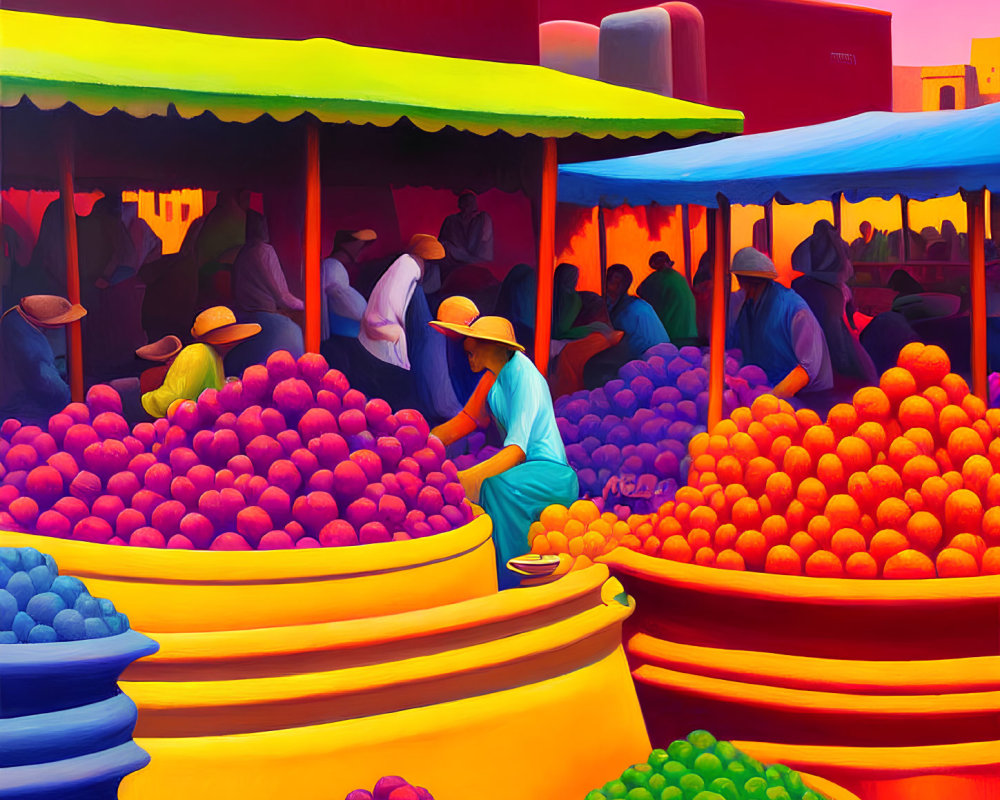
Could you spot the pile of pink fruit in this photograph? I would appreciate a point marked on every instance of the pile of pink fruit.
(287, 456)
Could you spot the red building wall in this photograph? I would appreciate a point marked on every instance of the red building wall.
(783, 63)
(495, 31)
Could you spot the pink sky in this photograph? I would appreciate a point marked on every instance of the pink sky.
(937, 32)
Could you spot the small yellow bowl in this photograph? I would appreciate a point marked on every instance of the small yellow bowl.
(534, 565)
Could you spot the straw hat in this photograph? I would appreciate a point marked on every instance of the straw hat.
(487, 329)
(50, 310)
(752, 263)
(457, 309)
(426, 247)
(218, 325)
(161, 350)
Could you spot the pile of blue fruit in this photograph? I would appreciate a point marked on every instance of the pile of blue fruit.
(39, 605)
(703, 768)
(628, 440)
(287, 456)
(391, 787)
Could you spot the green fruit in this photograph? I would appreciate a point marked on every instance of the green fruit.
(682, 751)
(794, 784)
(725, 787)
(778, 793)
(640, 793)
(657, 783)
(726, 752)
(752, 764)
(658, 758)
(708, 796)
(755, 788)
(736, 771)
(597, 794)
(691, 784)
(672, 793)
(773, 776)
(708, 766)
(615, 790)
(637, 775)
(701, 740)
(673, 770)
(809, 794)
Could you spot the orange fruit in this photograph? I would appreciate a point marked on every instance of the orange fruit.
(705, 556)
(993, 419)
(820, 529)
(950, 418)
(576, 546)
(886, 481)
(707, 479)
(991, 561)
(632, 542)
(854, 453)
(918, 469)
(775, 530)
(601, 527)
(681, 513)
(830, 471)
(535, 530)
(973, 544)
(783, 560)
(725, 536)
(730, 559)
(963, 512)
(785, 406)
(937, 397)
(806, 418)
(935, 491)
(874, 434)
(746, 514)
(861, 488)
(974, 407)
(944, 461)
(861, 565)
(914, 499)
(621, 529)
(703, 463)
(955, 563)
(892, 513)
(698, 445)
(742, 416)
(897, 383)
(842, 420)
(718, 445)
(574, 529)
(901, 450)
(725, 427)
(803, 544)
(964, 442)
(781, 424)
(779, 489)
(924, 531)
(764, 503)
(843, 512)
(991, 525)
(689, 495)
(908, 564)
(698, 538)
(812, 493)
(743, 447)
(797, 463)
(558, 543)
(908, 355)
(717, 502)
(753, 547)
(729, 469)
(872, 404)
(666, 527)
(582, 562)
(917, 412)
(651, 546)
(993, 490)
(676, 548)
(585, 511)
(593, 544)
(554, 517)
(847, 541)
(761, 436)
(824, 564)
(644, 531)
(976, 474)
(956, 387)
(953, 479)
(734, 492)
(982, 427)
(923, 439)
(764, 405)
(756, 475)
(867, 526)
(993, 453)
(885, 544)
(778, 448)
(703, 517)
(796, 515)
(540, 546)
(819, 439)
(930, 366)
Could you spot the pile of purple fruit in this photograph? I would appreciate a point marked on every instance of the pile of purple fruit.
(391, 787)
(288, 456)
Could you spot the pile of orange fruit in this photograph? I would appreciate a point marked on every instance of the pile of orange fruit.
(581, 533)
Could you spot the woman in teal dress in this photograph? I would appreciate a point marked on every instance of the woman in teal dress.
(531, 471)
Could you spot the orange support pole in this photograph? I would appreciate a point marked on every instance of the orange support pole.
(546, 256)
(975, 203)
(74, 332)
(312, 239)
(717, 336)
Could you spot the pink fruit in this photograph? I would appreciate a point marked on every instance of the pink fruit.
(454, 515)
(263, 451)
(352, 398)
(349, 481)
(198, 529)
(438, 523)
(230, 541)
(386, 785)
(290, 441)
(391, 484)
(106, 458)
(454, 494)
(133, 446)
(203, 477)
(226, 421)
(401, 536)
(337, 533)
(117, 541)
(256, 487)
(157, 479)
(73, 508)
(224, 479)
(277, 504)
(320, 481)
(360, 511)
(78, 411)
(373, 533)
(283, 474)
(128, 521)
(182, 459)
(369, 462)
(335, 381)
(275, 540)
(408, 465)
(295, 530)
(256, 383)
(305, 462)
(183, 490)
(6, 521)
(280, 365)
(430, 501)
(210, 407)
(329, 401)
(374, 491)
(58, 425)
(180, 542)
(52, 523)
(410, 485)
(409, 416)
(377, 411)
(274, 421)
(330, 449)
(65, 464)
(250, 425)
(92, 529)
(242, 484)
(101, 397)
(45, 446)
(225, 446)
(240, 465)
(231, 397)
(391, 510)
(174, 437)
(252, 523)
(436, 479)
(314, 510)
(8, 494)
(403, 793)
(352, 421)
(427, 459)
(21, 457)
(139, 465)
(184, 415)
(45, 484)
(437, 446)
(312, 367)
(86, 486)
(145, 433)
(410, 438)
(24, 510)
(167, 517)
(145, 537)
(10, 426)
(307, 542)
(232, 501)
(145, 500)
(315, 422)
(359, 794)
(389, 450)
(110, 425)
(108, 507)
(18, 478)
(450, 470)
(25, 434)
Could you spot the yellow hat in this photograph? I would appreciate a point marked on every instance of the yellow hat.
(218, 325)
(487, 329)
(426, 247)
(457, 309)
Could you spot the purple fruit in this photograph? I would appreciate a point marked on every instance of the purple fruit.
(231, 397)
(179, 542)
(52, 523)
(361, 441)
(373, 533)
(337, 533)
(453, 493)
(263, 451)
(249, 424)
(276, 540)
(320, 481)
(438, 523)
(256, 384)
(349, 482)
(360, 511)
(102, 397)
(620, 435)
(230, 541)
(277, 504)
(73, 508)
(391, 510)
(92, 529)
(455, 516)
(314, 510)
(128, 521)
(108, 507)
(283, 474)
(58, 425)
(411, 439)
(198, 529)
(292, 397)
(252, 523)
(290, 441)
(359, 794)
(17, 479)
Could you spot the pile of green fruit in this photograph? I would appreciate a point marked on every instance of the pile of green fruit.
(703, 768)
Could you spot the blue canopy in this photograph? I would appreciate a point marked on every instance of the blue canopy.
(877, 154)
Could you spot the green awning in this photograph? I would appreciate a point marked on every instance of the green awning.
(98, 66)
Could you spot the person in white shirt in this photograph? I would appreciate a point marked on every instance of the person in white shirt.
(343, 306)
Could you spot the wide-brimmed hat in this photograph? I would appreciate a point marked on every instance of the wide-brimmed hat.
(218, 325)
(50, 310)
(364, 235)
(751, 263)
(426, 247)
(458, 309)
(161, 350)
(487, 329)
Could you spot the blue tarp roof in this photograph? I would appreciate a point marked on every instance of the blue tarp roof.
(878, 154)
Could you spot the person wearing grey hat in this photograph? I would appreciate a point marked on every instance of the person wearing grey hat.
(776, 330)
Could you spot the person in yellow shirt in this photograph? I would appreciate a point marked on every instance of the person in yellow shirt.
(199, 366)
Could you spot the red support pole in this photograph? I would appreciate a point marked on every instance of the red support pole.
(312, 239)
(546, 257)
(975, 203)
(717, 337)
(74, 332)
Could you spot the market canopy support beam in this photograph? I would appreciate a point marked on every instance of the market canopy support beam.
(975, 203)
(546, 256)
(686, 230)
(312, 239)
(717, 338)
(838, 213)
(74, 332)
(904, 228)
(769, 225)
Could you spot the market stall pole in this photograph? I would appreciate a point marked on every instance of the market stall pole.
(74, 332)
(769, 225)
(312, 239)
(686, 231)
(838, 213)
(546, 256)
(717, 336)
(975, 203)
